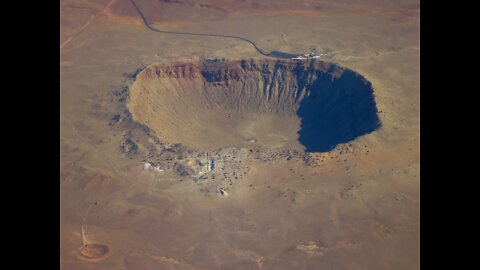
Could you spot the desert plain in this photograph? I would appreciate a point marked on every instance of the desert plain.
(192, 152)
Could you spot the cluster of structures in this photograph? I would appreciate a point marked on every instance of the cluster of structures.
(309, 56)
(149, 167)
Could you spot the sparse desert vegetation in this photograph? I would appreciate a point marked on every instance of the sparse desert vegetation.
(196, 152)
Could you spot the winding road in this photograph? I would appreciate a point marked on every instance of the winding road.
(275, 54)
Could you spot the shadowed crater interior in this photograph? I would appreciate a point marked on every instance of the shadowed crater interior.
(212, 104)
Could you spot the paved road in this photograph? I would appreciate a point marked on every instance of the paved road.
(276, 54)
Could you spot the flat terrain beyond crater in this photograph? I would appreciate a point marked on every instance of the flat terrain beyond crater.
(211, 104)
(273, 197)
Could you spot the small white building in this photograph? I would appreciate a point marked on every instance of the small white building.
(149, 167)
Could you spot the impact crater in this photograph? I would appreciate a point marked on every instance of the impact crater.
(212, 104)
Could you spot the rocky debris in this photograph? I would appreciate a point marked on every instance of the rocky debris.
(356, 189)
(213, 59)
(224, 167)
(203, 166)
(181, 169)
(222, 191)
(120, 118)
(175, 148)
(115, 120)
(129, 146)
(133, 75)
(121, 94)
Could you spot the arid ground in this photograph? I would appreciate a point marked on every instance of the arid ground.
(192, 152)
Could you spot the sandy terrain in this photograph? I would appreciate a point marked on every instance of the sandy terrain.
(354, 207)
